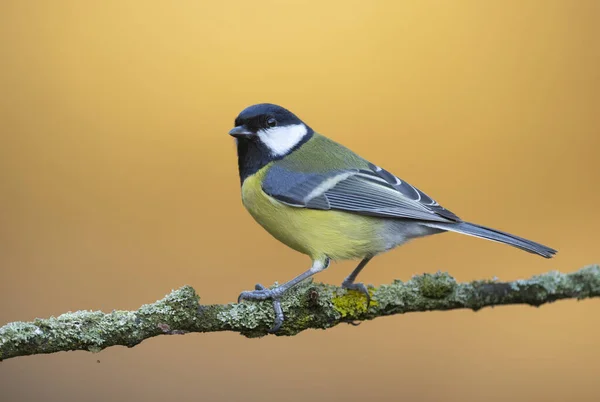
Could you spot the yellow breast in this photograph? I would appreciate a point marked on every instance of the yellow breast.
(319, 234)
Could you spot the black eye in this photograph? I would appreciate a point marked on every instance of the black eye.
(271, 122)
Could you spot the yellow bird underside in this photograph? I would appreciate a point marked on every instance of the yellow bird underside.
(319, 234)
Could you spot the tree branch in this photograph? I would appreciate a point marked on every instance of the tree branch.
(309, 305)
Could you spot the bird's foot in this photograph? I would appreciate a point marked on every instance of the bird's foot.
(359, 287)
(263, 293)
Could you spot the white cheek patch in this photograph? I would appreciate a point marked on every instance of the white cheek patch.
(280, 140)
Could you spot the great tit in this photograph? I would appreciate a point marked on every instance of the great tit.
(323, 200)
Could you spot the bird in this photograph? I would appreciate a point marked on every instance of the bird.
(323, 200)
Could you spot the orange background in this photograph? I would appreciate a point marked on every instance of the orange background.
(119, 182)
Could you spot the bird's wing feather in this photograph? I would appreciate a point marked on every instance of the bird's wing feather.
(372, 191)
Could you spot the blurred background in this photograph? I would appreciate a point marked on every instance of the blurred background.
(118, 183)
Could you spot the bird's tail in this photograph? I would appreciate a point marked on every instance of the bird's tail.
(483, 232)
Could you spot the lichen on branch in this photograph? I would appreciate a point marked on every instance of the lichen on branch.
(309, 305)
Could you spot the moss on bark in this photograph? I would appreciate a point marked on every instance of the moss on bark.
(309, 305)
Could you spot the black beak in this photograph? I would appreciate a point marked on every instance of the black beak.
(241, 132)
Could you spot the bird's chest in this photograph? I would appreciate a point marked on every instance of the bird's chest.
(260, 205)
(335, 234)
(277, 218)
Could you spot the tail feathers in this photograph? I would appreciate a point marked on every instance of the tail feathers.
(483, 232)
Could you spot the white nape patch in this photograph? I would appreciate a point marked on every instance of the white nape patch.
(326, 185)
(280, 140)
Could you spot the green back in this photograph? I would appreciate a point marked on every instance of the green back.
(319, 155)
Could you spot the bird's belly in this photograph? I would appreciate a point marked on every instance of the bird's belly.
(334, 234)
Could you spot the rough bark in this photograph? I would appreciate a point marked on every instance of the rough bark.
(309, 305)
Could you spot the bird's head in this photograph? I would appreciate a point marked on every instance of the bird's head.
(275, 127)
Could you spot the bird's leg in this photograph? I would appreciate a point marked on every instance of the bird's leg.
(349, 281)
(263, 293)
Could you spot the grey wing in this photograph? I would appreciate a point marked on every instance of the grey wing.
(373, 191)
